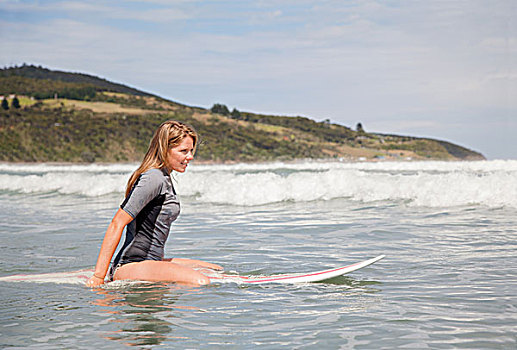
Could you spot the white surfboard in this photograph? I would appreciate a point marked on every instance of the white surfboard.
(315, 276)
(72, 277)
(81, 276)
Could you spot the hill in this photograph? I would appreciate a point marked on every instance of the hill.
(38, 79)
(74, 117)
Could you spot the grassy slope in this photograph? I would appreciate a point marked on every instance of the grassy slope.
(115, 124)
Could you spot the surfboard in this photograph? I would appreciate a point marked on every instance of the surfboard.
(81, 276)
(72, 277)
(316, 276)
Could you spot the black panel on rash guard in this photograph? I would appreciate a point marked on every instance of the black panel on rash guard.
(154, 206)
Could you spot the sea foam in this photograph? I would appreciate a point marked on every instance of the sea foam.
(432, 184)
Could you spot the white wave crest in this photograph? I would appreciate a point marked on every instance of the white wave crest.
(87, 184)
(434, 184)
(434, 189)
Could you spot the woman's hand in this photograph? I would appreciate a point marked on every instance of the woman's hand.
(94, 281)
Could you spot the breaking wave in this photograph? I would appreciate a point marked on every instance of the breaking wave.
(434, 184)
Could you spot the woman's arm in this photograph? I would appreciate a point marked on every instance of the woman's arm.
(109, 244)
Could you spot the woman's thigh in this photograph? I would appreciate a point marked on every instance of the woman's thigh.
(155, 271)
(195, 263)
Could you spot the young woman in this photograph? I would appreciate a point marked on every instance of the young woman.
(150, 207)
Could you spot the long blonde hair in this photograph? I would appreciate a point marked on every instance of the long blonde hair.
(169, 134)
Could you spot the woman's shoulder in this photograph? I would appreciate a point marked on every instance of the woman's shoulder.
(152, 180)
(156, 176)
(154, 173)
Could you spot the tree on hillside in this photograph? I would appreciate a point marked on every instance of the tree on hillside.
(5, 104)
(220, 109)
(236, 114)
(359, 128)
(15, 103)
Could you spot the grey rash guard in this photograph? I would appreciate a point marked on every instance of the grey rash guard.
(153, 205)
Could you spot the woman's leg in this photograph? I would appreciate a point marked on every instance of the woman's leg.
(195, 263)
(156, 271)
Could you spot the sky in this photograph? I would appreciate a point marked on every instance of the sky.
(445, 69)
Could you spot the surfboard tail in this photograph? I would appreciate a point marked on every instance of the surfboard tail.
(73, 277)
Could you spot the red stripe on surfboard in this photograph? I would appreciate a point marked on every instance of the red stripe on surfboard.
(282, 277)
(279, 278)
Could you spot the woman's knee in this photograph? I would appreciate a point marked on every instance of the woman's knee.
(203, 281)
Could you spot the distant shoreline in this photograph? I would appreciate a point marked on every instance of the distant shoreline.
(291, 161)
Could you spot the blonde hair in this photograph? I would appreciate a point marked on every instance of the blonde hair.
(169, 134)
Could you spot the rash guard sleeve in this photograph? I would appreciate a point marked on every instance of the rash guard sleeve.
(148, 186)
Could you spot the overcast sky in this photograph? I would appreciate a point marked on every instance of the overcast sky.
(442, 69)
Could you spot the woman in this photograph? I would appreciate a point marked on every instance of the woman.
(150, 207)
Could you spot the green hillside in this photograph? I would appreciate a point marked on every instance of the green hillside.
(73, 117)
(39, 79)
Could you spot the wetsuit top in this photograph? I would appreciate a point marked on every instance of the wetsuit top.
(153, 205)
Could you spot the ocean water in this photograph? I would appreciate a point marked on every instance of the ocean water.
(448, 230)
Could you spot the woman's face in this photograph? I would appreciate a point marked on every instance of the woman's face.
(179, 156)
